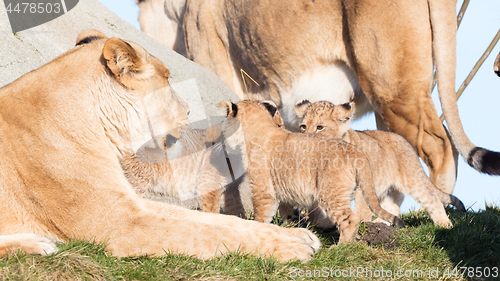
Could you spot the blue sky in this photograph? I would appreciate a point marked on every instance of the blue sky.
(479, 105)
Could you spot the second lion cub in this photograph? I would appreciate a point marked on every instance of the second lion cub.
(295, 168)
(394, 162)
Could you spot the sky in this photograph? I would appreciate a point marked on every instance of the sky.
(479, 106)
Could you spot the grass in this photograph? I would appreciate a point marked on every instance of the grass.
(421, 251)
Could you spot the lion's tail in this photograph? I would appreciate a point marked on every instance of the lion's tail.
(444, 27)
(365, 183)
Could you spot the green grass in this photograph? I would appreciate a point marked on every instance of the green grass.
(474, 241)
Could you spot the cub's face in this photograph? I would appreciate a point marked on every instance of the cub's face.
(324, 118)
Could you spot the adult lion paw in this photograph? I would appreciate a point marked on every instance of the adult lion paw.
(287, 244)
(31, 243)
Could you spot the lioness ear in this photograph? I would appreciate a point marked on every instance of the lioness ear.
(88, 36)
(228, 108)
(301, 107)
(125, 62)
(273, 110)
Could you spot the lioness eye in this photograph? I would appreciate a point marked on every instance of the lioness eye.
(319, 128)
(303, 127)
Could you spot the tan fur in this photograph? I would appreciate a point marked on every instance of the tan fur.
(301, 169)
(64, 127)
(199, 171)
(394, 163)
(382, 49)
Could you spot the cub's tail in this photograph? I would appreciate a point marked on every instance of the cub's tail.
(448, 199)
(365, 183)
(444, 28)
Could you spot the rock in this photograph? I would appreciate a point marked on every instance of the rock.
(27, 50)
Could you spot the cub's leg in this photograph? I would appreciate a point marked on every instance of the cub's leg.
(420, 188)
(392, 201)
(31, 243)
(361, 209)
(334, 198)
(264, 200)
(211, 201)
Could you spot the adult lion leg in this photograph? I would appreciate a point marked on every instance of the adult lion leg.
(420, 125)
(31, 243)
(135, 226)
(400, 88)
(204, 44)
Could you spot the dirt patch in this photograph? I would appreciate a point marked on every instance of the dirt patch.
(378, 234)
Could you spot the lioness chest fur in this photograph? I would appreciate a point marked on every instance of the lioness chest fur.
(394, 162)
(297, 168)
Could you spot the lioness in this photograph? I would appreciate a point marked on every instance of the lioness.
(334, 50)
(300, 169)
(64, 128)
(394, 163)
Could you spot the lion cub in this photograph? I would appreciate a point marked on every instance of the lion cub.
(394, 162)
(197, 171)
(299, 169)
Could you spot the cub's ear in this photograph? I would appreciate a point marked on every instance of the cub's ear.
(126, 63)
(349, 107)
(88, 36)
(273, 110)
(228, 108)
(301, 107)
(278, 120)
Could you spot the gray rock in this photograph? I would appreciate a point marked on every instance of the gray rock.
(27, 50)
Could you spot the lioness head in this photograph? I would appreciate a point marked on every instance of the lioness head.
(134, 95)
(324, 118)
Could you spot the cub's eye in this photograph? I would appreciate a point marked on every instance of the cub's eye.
(346, 119)
(303, 127)
(319, 128)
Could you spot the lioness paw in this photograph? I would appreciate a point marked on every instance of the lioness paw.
(307, 236)
(31, 243)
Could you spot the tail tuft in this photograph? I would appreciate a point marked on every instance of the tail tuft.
(485, 161)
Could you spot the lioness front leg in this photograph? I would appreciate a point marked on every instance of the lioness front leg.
(31, 243)
(154, 228)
